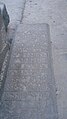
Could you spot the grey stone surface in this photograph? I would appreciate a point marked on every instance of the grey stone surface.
(4, 21)
(29, 92)
(2, 34)
(15, 10)
(53, 12)
(4, 46)
(7, 8)
(4, 15)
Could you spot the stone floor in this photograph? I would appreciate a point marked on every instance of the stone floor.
(29, 91)
(53, 12)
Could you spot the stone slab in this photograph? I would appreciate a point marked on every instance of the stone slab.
(29, 91)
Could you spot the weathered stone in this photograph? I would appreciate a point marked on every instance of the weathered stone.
(4, 14)
(4, 45)
(4, 21)
(29, 91)
(2, 33)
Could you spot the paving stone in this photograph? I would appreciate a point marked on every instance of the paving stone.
(28, 92)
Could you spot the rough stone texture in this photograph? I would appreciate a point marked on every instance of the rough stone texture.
(2, 34)
(4, 49)
(29, 91)
(4, 15)
(15, 10)
(4, 45)
(53, 12)
(4, 21)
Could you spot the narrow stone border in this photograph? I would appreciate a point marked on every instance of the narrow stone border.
(3, 73)
(4, 69)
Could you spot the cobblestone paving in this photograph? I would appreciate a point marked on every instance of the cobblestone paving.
(28, 92)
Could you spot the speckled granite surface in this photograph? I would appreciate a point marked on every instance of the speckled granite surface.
(29, 90)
